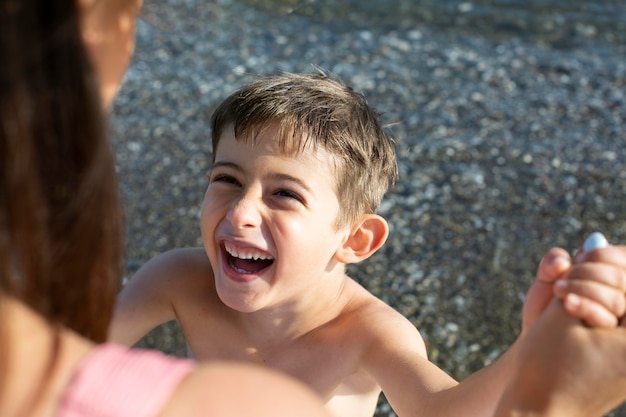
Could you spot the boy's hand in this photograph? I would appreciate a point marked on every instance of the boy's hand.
(592, 289)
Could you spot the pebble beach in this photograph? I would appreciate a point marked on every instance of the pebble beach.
(510, 129)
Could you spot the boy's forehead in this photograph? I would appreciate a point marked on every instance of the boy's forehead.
(267, 142)
(280, 142)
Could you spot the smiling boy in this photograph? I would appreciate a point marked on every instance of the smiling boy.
(300, 166)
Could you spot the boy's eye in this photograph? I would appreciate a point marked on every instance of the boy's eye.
(289, 194)
(228, 179)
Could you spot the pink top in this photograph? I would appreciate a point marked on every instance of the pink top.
(114, 381)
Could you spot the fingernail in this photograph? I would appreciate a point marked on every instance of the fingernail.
(560, 284)
(572, 301)
(561, 262)
(595, 240)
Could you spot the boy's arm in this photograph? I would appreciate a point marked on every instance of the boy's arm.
(147, 299)
(597, 279)
(415, 387)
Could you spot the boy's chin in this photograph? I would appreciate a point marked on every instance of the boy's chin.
(240, 302)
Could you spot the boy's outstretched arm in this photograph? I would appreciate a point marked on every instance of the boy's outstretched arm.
(414, 386)
(146, 300)
(396, 365)
(396, 359)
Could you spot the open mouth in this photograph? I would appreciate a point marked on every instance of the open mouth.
(246, 260)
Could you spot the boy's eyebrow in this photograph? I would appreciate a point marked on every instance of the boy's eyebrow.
(218, 164)
(287, 177)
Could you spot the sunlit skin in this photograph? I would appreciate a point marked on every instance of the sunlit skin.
(294, 309)
(109, 34)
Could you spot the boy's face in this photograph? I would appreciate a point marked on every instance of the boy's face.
(269, 222)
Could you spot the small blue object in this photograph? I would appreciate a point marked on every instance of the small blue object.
(595, 240)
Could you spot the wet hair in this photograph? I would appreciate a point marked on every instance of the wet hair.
(315, 110)
(60, 217)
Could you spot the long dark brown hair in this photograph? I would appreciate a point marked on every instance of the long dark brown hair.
(60, 219)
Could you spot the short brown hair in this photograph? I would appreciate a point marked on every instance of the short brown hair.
(316, 110)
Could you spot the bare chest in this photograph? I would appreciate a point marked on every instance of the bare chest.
(329, 364)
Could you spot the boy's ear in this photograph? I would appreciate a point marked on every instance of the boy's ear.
(365, 238)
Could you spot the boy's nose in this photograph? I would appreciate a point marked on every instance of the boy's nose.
(244, 213)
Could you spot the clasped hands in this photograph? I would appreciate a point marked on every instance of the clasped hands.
(571, 355)
(591, 287)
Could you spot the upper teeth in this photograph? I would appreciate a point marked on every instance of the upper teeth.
(245, 253)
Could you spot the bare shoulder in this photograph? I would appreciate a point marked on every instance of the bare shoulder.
(184, 266)
(394, 355)
(381, 327)
(181, 260)
(157, 291)
(167, 277)
(216, 389)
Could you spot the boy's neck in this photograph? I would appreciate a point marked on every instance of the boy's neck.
(302, 315)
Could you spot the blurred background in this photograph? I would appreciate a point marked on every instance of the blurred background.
(509, 117)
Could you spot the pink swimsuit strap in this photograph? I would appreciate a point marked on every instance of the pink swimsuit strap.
(114, 381)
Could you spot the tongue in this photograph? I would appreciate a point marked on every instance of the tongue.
(249, 266)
